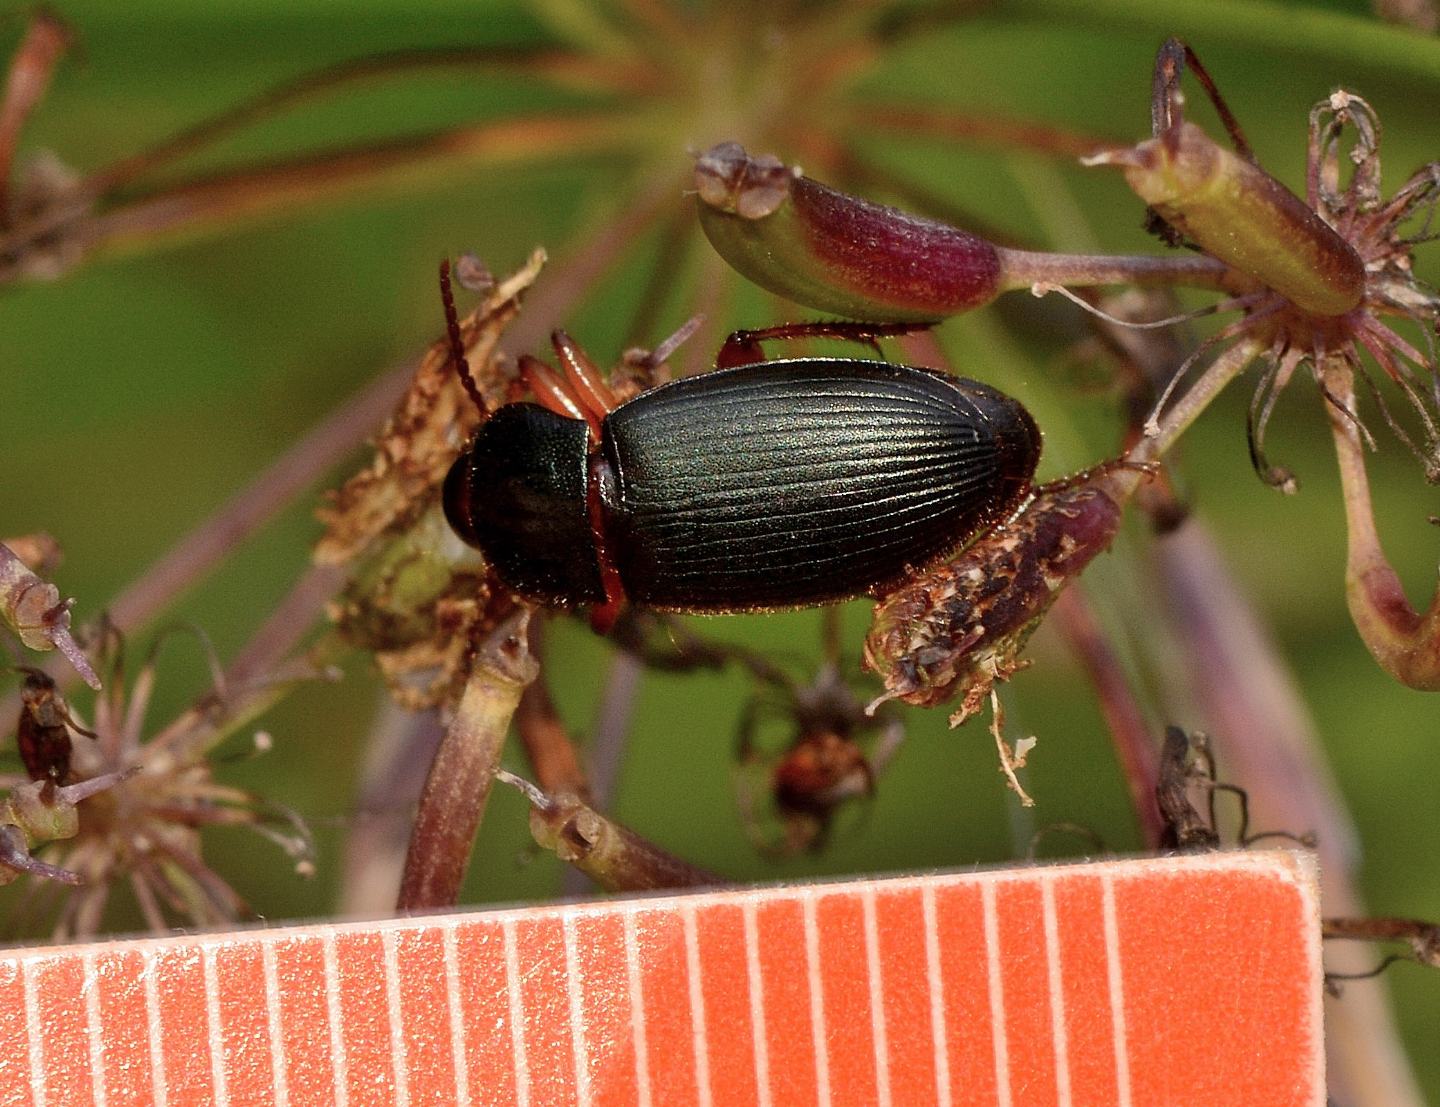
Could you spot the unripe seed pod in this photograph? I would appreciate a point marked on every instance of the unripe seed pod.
(41, 811)
(1240, 214)
(835, 252)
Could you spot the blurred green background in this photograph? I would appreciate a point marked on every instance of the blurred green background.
(142, 390)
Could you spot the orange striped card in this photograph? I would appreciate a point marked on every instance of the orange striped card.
(1178, 981)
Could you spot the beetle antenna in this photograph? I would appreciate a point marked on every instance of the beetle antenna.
(457, 347)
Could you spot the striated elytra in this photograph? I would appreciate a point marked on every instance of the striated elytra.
(780, 484)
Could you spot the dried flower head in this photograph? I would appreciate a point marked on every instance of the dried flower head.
(959, 627)
(418, 597)
(1331, 273)
(133, 810)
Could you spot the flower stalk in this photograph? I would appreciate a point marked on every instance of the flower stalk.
(610, 854)
(1404, 641)
(457, 788)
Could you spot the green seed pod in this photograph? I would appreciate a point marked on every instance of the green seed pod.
(1240, 214)
(834, 252)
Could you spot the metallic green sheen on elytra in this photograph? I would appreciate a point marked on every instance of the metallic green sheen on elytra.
(790, 483)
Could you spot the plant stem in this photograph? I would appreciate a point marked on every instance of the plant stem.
(1261, 27)
(1405, 642)
(547, 744)
(981, 127)
(29, 75)
(458, 786)
(1026, 268)
(1129, 725)
(612, 855)
(1170, 424)
(398, 750)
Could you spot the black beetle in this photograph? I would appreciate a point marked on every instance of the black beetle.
(778, 484)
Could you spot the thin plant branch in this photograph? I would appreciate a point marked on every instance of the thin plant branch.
(29, 76)
(613, 856)
(247, 192)
(457, 788)
(399, 746)
(984, 128)
(1404, 641)
(1131, 730)
(560, 67)
(547, 743)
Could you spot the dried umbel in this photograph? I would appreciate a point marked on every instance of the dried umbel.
(1324, 283)
(418, 598)
(1310, 318)
(959, 628)
(132, 806)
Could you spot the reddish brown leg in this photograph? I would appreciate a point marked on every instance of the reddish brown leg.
(35, 60)
(743, 347)
(554, 392)
(583, 376)
(580, 394)
(603, 615)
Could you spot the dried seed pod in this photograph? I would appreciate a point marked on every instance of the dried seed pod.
(838, 253)
(958, 628)
(37, 812)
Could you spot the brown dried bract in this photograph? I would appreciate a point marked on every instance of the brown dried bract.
(427, 430)
(958, 628)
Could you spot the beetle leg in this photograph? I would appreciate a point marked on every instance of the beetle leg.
(603, 615)
(583, 375)
(743, 347)
(554, 393)
(747, 748)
